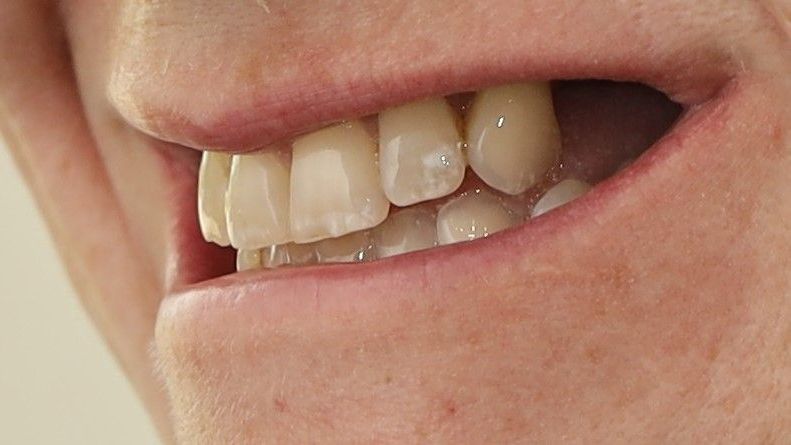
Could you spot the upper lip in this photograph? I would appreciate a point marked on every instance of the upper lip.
(238, 112)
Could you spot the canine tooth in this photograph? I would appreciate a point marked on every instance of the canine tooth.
(248, 259)
(212, 184)
(406, 231)
(420, 154)
(351, 248)
(473, 215)
(335, 184)
(257, 201)
(513, 135)
(562, 193)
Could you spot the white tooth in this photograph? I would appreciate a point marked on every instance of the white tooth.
(257, 201)
(351, 248)
(212, 185)
(420, 154)
(562, 193)
(513, 136)
(335, 184)
(473, 215)
(275, 256)
(248, 259)
(406, 231)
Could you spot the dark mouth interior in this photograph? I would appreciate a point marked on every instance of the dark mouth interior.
(605, 125)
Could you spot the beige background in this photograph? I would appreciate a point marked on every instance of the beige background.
(58, 383)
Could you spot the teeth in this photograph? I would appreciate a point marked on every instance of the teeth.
(212, 183)
(420, 154)
(471, 216)
(351, 248)
(562, 193)
(406, 231)
(301, 254)
(248, 259)
(335, 184)
(257, 201)
(513, 136)
(275, 256)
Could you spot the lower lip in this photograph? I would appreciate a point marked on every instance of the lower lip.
(330, 290)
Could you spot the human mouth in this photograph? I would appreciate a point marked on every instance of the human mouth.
(429, 173)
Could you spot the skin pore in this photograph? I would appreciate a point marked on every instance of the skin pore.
(664, 319)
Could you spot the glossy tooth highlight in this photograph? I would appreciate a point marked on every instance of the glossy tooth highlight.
(406, 231)
(257, 201)
(420, 155)
(560, 194)
(475, 214)
(513, 136)
(352, 248)
(335, 184)
(212, 183)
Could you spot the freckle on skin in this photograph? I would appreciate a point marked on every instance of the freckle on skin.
(280, 405)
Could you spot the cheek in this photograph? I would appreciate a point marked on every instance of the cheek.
(649, 311)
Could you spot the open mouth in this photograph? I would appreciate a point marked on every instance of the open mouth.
(430, 173)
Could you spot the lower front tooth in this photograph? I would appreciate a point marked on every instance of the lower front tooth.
(420, 154)
(248, 259)
(351, 248)
(212, 184)
(257, 201)
(474, 215)
(562, 193)
(275, 256)
(513, 136)
(406, 231)
(335, 184)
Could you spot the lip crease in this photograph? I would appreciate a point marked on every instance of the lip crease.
(313, 290)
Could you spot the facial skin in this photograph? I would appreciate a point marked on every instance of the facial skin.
(665, 319)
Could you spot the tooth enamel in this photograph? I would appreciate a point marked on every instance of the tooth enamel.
(335, 184)
(420, 154)
(406, 231)
(473, 215)
(248, 259)
(351, 248)
(513, 136)
(275, 256)
(301, 254)
(212, 183)
(256, 204)
(562, 193)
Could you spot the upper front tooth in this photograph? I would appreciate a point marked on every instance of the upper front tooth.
(562, 193)
(473, 215)
(513, 135)
(257, 201)
(351, 248)
(212, 184)
(420, 154)
(335, 183)
(406, 231)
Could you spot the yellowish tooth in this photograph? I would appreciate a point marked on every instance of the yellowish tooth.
(257, 201)
(335, 184)
(352, 248)
(213, 176)
(275, 256)
(248, 259)
(474, 215)
(406, 231)
(562, 193)
(301, 254)
(420, 154)
(513, 136)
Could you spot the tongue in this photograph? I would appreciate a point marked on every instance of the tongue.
(606, 125)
